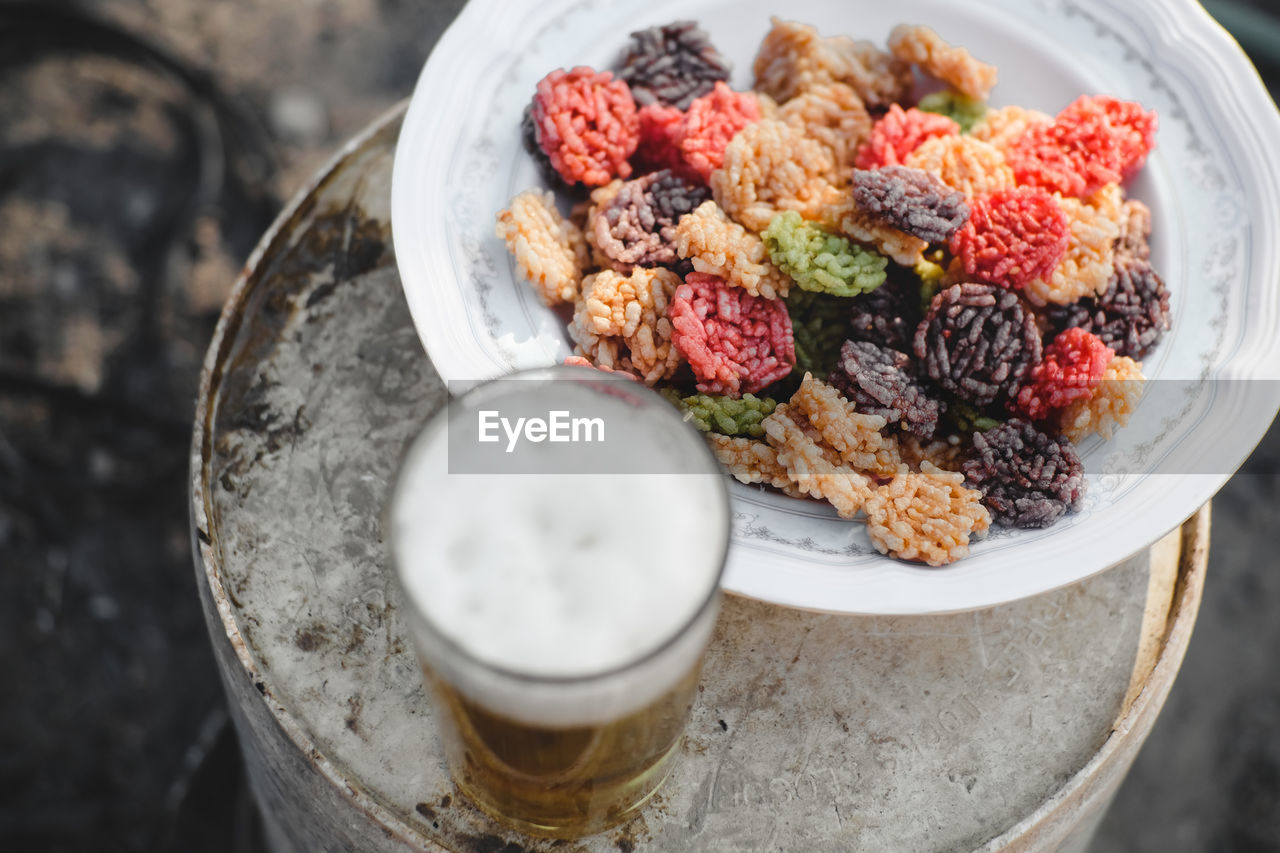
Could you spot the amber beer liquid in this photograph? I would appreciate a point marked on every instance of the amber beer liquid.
(560, 618)
(569, 780)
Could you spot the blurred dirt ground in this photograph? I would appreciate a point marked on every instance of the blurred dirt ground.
(144, 147)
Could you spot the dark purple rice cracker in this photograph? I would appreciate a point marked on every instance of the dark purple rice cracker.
(887, 315)
(1132, 314)
(672, 64)
(882, 381)
(977, 342)
(1027, 478)
(911, 200)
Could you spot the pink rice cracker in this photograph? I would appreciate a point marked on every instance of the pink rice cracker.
(898, 133)
(1096, 140)
(586, 123)
(580, 361)
(658, 148)
(736, 343)
(710, 122)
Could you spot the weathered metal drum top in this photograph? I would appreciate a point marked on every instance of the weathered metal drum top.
(1007, 728)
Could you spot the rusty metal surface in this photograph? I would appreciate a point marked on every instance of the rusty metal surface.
(308, 803)
(812, 732)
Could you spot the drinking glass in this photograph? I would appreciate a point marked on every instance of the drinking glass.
(559, 538)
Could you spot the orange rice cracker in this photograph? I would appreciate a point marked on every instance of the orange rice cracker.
(963, 163)
(769, 167)
(855, 436)
(1002, 127)
(620, 322)
(1111, 404)
(817, 470)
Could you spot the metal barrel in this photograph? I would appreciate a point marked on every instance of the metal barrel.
(1008, 728)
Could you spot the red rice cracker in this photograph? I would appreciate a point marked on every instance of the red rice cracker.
(708, 125)
(899, 132)
(1069, 371)
(1096, 140)
(1012, 237)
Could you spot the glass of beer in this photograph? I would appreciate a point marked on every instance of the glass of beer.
(559, 537)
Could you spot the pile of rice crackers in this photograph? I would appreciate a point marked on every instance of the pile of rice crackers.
(862, 282)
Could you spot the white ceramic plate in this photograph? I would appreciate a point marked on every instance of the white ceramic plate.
(1212, 184)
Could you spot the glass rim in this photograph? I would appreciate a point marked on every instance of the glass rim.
(479, 392)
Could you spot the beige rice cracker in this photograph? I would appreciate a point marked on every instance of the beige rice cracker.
(845, 217)
(834, 116)
(751, 461)
(947, 453)
(550, 252)
(793, 58)
(717, 246)
(816, 470)
(927, 516)
(955, 66)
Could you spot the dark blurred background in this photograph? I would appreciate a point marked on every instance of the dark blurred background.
(144, 147)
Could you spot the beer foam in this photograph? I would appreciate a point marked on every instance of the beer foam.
(563, 575)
